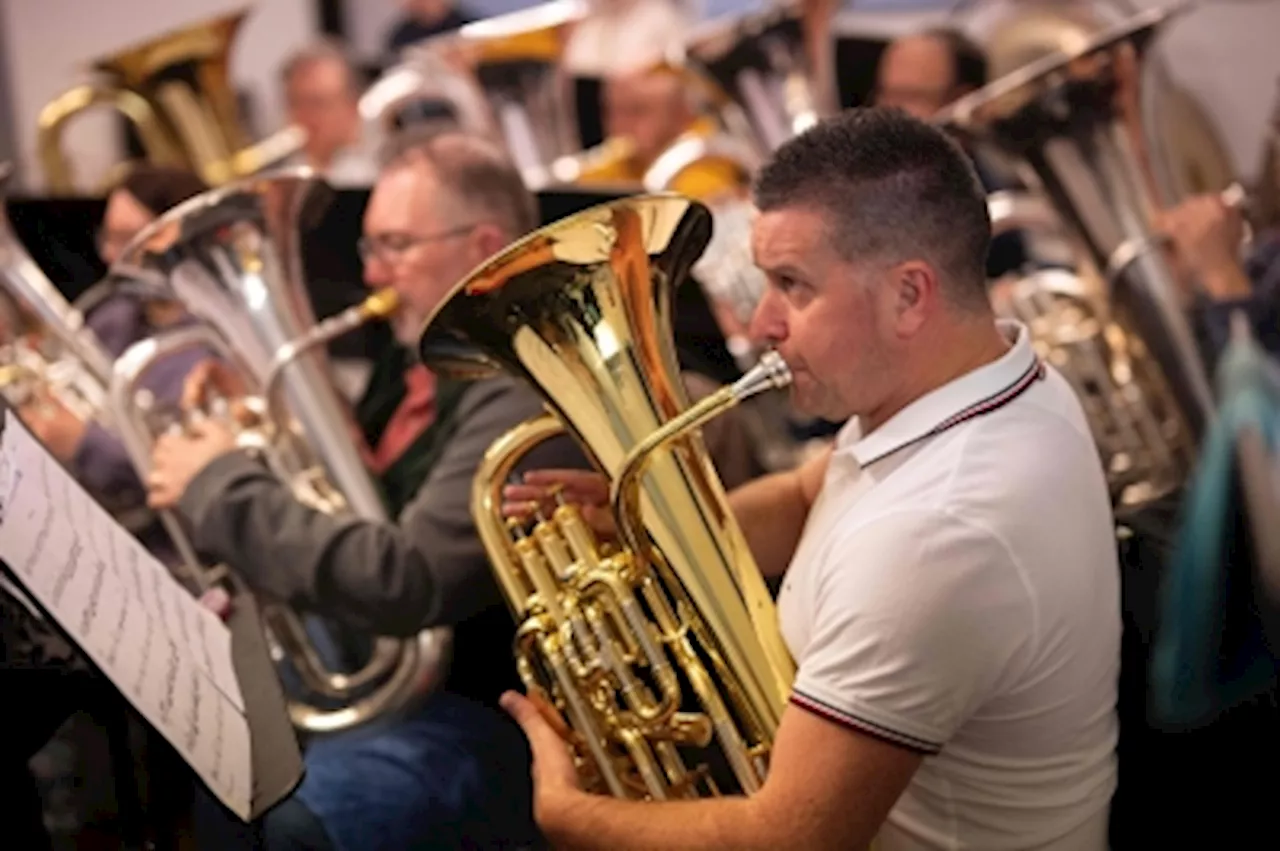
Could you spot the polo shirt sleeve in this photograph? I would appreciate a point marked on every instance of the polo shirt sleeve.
(917, 618)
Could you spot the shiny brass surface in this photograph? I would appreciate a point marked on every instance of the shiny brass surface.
(231, 258)
(716, 169)
(664, 654)
(176, 92)
(1074, 123)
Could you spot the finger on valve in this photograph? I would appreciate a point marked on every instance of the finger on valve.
(196, 385)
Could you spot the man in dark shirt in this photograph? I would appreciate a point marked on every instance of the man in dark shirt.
(452, 774)
(1206, 235)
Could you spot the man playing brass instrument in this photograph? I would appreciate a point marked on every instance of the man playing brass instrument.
(646, 109)
(950, 581)
(1205, 234)
(454, 771)
(97, 456)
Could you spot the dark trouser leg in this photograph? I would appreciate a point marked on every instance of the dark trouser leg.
(455, 775)
(291, 826)
(24, 814)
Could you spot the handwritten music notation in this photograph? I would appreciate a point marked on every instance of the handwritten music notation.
(168, 655)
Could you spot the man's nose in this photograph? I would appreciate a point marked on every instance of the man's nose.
(377, 273)
(768, 325)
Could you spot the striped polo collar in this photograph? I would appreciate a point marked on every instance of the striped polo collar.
(979, 392)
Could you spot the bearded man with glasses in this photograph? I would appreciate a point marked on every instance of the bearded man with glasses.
(452, 774)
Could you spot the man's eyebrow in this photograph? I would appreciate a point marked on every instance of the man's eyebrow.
(782, 270)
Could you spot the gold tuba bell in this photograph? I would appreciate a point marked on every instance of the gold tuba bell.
(231, 257)
(176, 92)
(664, 655)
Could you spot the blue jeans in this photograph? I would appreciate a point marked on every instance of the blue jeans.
(454, 775)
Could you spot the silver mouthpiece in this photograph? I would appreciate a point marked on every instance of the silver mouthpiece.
(770, 373)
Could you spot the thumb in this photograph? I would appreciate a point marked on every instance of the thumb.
(537, 730)
(522, 710)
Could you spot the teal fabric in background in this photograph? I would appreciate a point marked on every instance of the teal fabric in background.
(1211, 651)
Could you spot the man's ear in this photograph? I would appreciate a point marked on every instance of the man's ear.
(488, 239)
(915, 289)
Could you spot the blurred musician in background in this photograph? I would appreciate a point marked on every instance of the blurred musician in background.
(61, 681)
(923, 72)
(119, 319)
(423, 19)
(322, 93)
(955, 621)
(648, 108)
(1206, 234)
(456, 771)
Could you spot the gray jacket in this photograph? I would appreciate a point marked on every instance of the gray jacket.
(428, 570)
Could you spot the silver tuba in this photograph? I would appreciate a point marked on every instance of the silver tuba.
(500, 77)
(1072, 124)
(59, 352)
(231, 258)
(764, 82)
(1186, 154)
(425, 86)
(1145, 446)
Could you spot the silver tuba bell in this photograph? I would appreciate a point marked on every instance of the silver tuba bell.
(231, 258)
(1072, 124)
(1145, 446)
(58, 351)
(765, 90)
(500, 77)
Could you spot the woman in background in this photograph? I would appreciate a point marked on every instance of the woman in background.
(119, 319)
(53, 678)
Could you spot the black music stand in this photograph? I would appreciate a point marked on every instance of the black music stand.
(276, 760)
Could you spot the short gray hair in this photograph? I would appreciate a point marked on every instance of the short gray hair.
(476, 173)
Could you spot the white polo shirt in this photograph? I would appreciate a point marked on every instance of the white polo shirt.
(956, 591)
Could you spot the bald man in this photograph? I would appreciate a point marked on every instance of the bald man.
(923, 72)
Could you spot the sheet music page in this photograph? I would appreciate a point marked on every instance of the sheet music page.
(168, 655)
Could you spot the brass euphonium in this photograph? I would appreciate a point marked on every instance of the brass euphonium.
(231, 257)
(176, 92)
(1072, 123)
(664, 655)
